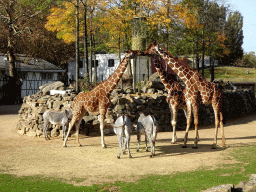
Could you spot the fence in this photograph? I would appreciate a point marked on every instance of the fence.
(27, 84)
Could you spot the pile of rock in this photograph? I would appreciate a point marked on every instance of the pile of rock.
(33, 107)
(238, 102)
(241, 187)
(31, 121)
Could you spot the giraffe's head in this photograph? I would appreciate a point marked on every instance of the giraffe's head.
(151, 50)
(131, 54)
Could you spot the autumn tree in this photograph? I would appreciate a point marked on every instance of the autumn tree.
(207, 37)
(62, 21)
(15, 16)
(117, 21)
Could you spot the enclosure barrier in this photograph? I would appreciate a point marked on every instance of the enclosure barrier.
(236, 103)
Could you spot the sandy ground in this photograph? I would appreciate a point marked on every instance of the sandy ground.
(26, 156)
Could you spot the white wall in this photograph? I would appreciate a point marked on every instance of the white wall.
(104, 71)
(141, 67)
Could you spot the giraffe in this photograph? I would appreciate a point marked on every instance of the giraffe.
(97, 99)
(175, 98)
(198, 90)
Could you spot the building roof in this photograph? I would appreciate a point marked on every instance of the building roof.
(25, 63)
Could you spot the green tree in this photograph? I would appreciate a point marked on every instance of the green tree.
(234, 37)
(207, 36)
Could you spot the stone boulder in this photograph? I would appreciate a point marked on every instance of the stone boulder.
(45, 89)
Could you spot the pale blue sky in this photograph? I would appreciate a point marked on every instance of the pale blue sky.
(248, 10)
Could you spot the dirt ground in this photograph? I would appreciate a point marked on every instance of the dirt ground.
(91, 164)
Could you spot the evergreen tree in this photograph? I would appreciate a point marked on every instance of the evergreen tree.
(234, 37)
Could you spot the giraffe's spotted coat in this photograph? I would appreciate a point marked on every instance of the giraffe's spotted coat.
(97, 99)
(198, 90)
(176, 97)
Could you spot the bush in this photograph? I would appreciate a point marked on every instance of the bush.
(248, 60)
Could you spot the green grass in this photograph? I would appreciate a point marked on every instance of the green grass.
(14, 183)
(189, 181)
(232, 73)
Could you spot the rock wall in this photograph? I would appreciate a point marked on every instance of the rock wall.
(30, 123)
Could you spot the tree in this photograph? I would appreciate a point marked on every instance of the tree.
(15, 17)
(234, 37)
(117, 21)
(207, 36)
(215, 37)
(62, 22)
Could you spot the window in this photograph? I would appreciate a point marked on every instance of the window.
(46, 76)
(111, 63)
(97, 63)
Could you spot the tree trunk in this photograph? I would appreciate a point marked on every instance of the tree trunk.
(203, 60)
(212, 69)
(10, 49)
(197, 62)
(95, 63)
(197, 58)
(77, 44)
(91, 62)
(148, 63)
(119, 56)
(86, 74)
(11, 59)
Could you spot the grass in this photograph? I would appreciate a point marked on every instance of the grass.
(233, 74)
(193, 181)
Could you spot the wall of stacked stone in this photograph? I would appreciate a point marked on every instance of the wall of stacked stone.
(31, 112)
(236, 103)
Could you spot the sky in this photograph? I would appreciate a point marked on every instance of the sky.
(247, 8)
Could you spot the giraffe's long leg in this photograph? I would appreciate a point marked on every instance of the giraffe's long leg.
(102, 117)
(195, 113)
(186, 115)
(71, 124)
(222, 130)
(217, 122)
(189, 109)
(174, 110)
(77, 131)
(216, 129)
(76, 120)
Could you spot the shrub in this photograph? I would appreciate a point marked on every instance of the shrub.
(248, 60)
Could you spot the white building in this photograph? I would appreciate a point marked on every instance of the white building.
(107, 64)
(33, 72)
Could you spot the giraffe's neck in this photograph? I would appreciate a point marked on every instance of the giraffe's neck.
(175, 64)
(164, 76)
(112, 81)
